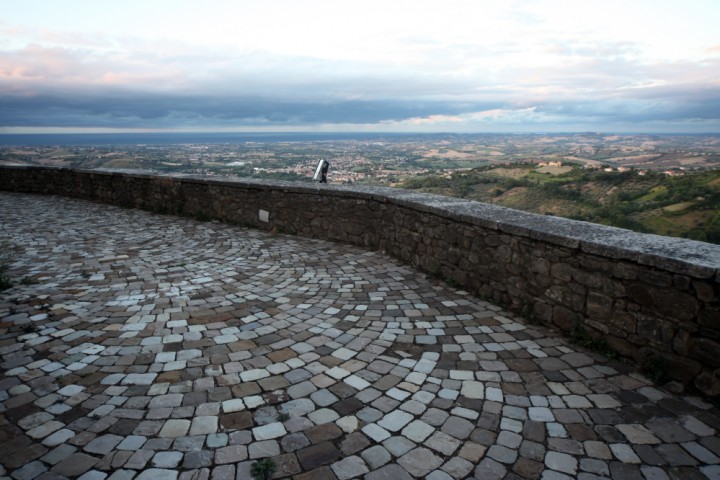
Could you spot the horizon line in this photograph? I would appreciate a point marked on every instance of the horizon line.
(358, 132)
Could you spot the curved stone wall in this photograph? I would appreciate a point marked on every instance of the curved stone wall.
(651, 298)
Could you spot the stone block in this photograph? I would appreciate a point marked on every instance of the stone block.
(709, 317)
(625, 271)
(682, 342)
(655, 278)
(641, 294)
(564, 318)
(624, 321)
(601, 326)
(598, 306)
(590, 279)
(623, 347)
(654, 329)
(350, 467)
(318, 455)
(681, 368)
(705, 291)
(420, 462)
(562, 271)
(708, 382)
(75, 465)
(677, 305)
(287, 465)
(542, 311)
(706, 351)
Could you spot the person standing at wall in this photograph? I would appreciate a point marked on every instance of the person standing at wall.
(324, 171)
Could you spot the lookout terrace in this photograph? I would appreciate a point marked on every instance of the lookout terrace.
(391, 336)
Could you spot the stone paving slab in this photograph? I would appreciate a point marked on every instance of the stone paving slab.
(149, 346)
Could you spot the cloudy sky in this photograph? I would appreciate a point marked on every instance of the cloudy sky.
(360, 65)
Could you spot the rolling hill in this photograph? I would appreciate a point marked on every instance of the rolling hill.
(686, 205)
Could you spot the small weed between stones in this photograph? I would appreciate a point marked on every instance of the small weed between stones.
(29, 328)
(5, 257)
(528, 313)
(263, 469)
(655, 367)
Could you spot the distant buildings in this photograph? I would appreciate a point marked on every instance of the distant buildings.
(555, 163)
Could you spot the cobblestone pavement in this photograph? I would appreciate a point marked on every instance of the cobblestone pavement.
(157, 347)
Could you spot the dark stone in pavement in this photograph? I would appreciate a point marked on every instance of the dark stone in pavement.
(648, 455)
(322, 473)
(471, 403)
(343, 390)
(389, 472)
(555, 376)
(489, 421)
(625, 471)
(605, 417)
(73, 414)
(521, 365)
(50, 476)
(354, 443)
(124, 426)
(637, 414)
(483, 436)
(25, 455)
(535, 431)
(712, 444)
(219, 394)
(610, 434)
(13, 445)
(347, 406)
(245, 389)
(317, 455)
(527, 468)
(676, 406)
(675, 455)
(236, 420)
(194, 398)
(15, 414)
(324, 432)
(75, 465)
(387, 382)
(581, 432)
(685, 473)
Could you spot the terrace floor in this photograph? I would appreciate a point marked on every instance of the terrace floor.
(156, 347)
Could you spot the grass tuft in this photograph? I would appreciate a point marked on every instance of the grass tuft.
(263, 469)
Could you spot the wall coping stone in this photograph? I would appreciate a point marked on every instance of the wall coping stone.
(677, 255)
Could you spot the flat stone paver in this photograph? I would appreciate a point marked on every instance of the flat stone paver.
(152, 346)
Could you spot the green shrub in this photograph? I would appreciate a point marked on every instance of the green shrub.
(5, 257)
(263, 469)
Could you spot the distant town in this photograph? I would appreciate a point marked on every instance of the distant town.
(388, 159)
(664, 184)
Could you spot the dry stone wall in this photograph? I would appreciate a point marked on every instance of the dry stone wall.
(649, 297)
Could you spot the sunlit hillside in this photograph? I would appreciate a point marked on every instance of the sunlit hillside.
(645, 201)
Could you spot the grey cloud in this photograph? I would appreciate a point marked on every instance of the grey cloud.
(140, 110)
(669, 109)
(217, 90)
